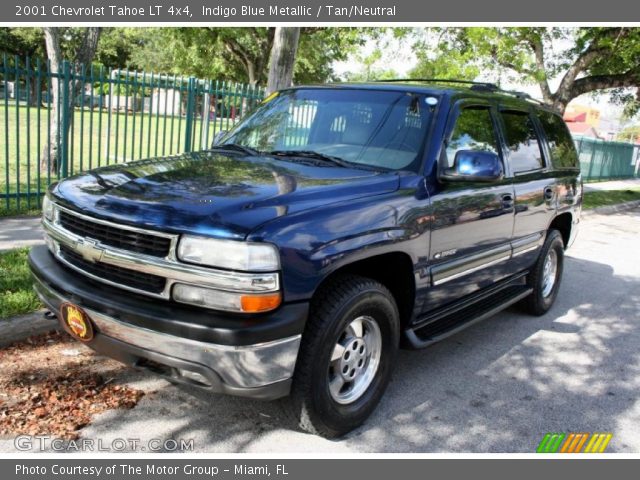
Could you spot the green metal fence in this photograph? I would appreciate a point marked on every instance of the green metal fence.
(602, 160)
(111, 116)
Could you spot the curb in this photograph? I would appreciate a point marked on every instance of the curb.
(609, 209)
(15, 329)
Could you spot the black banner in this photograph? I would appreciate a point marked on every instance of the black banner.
(315, 469)
(310, 11)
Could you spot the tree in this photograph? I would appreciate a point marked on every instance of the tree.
(629, 134)
(25, 42)
(241, 54)
(238, 54)
(584, 60)
(320, 47)
(62, 90)
(248, 47)
(117, 46)
(282, 58)
(370, 68)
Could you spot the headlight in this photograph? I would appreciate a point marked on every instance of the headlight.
(47, 208)
(219, 300)
(231, 254)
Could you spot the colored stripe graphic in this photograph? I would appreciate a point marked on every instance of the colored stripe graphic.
(550, 443)
(598, 443)
(581, 443)
(574, 443)
(567, 444)
(543, 443)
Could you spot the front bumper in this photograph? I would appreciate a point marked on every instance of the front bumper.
(237, 355)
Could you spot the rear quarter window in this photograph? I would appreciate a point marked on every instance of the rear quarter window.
(525, 152)
(561, 147)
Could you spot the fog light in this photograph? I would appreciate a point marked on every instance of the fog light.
(220, 300)
(206, 297)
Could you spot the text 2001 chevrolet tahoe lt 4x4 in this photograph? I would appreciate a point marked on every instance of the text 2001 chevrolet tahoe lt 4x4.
(331, 226)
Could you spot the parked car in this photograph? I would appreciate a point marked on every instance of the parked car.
(332, 226)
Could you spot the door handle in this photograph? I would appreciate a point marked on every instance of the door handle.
(507, 201)
(548, 193)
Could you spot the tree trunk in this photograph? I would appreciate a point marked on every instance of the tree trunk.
(50, 157)
(559, 104)
(283, 58)
(34, 87)
(251, 73)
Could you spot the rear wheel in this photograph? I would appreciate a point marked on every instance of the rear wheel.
(348, 349)
(546, 275)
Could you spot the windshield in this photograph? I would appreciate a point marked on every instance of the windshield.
(367, 127)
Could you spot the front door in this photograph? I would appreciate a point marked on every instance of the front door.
(472, 221)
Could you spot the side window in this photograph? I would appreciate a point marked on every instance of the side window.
(473, 131)
(561, 146)
(524, 147)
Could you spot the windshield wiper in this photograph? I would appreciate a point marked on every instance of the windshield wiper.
(316, 156)
(236, 147)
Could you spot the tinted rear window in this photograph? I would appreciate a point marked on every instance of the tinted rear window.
(561, 146)
(524, 148)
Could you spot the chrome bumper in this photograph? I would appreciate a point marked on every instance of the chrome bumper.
(262, 370)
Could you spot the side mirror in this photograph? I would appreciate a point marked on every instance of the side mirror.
(474, 166)
(219, 136)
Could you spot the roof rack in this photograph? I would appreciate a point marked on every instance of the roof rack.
(522, 96)
(474, 85)
(478, 86)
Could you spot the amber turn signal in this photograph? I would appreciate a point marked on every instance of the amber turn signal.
(260, 303)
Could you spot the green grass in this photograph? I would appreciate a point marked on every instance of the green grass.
(609, 197)
(16, 292)
(98, 137)
(24, 209)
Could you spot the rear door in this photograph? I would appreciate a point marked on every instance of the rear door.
(534, 183)
(562, 158)
(472, 221)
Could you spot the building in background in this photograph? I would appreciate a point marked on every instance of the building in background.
(587, 114)
(579, 126)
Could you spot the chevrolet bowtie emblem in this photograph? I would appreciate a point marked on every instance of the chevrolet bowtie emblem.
(89, 250)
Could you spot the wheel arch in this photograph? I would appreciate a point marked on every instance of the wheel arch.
(563, 223)
(394, 270)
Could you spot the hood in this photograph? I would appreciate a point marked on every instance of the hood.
(214, 194)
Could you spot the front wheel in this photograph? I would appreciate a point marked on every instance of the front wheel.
(348, 349)
(546, 275)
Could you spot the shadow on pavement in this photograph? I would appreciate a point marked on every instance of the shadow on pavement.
(496, 387)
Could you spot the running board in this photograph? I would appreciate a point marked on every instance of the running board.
(437, 327)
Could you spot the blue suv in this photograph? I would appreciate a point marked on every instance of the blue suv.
(332, 226)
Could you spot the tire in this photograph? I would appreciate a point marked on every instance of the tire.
(544, 295)
(318, 406)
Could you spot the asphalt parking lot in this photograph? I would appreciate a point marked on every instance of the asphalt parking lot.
(496, 387)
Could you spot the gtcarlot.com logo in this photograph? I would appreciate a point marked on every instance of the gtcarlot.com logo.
(574, 443)
(44, 443)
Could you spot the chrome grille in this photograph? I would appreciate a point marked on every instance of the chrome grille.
(113, 236)
(111, 273)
